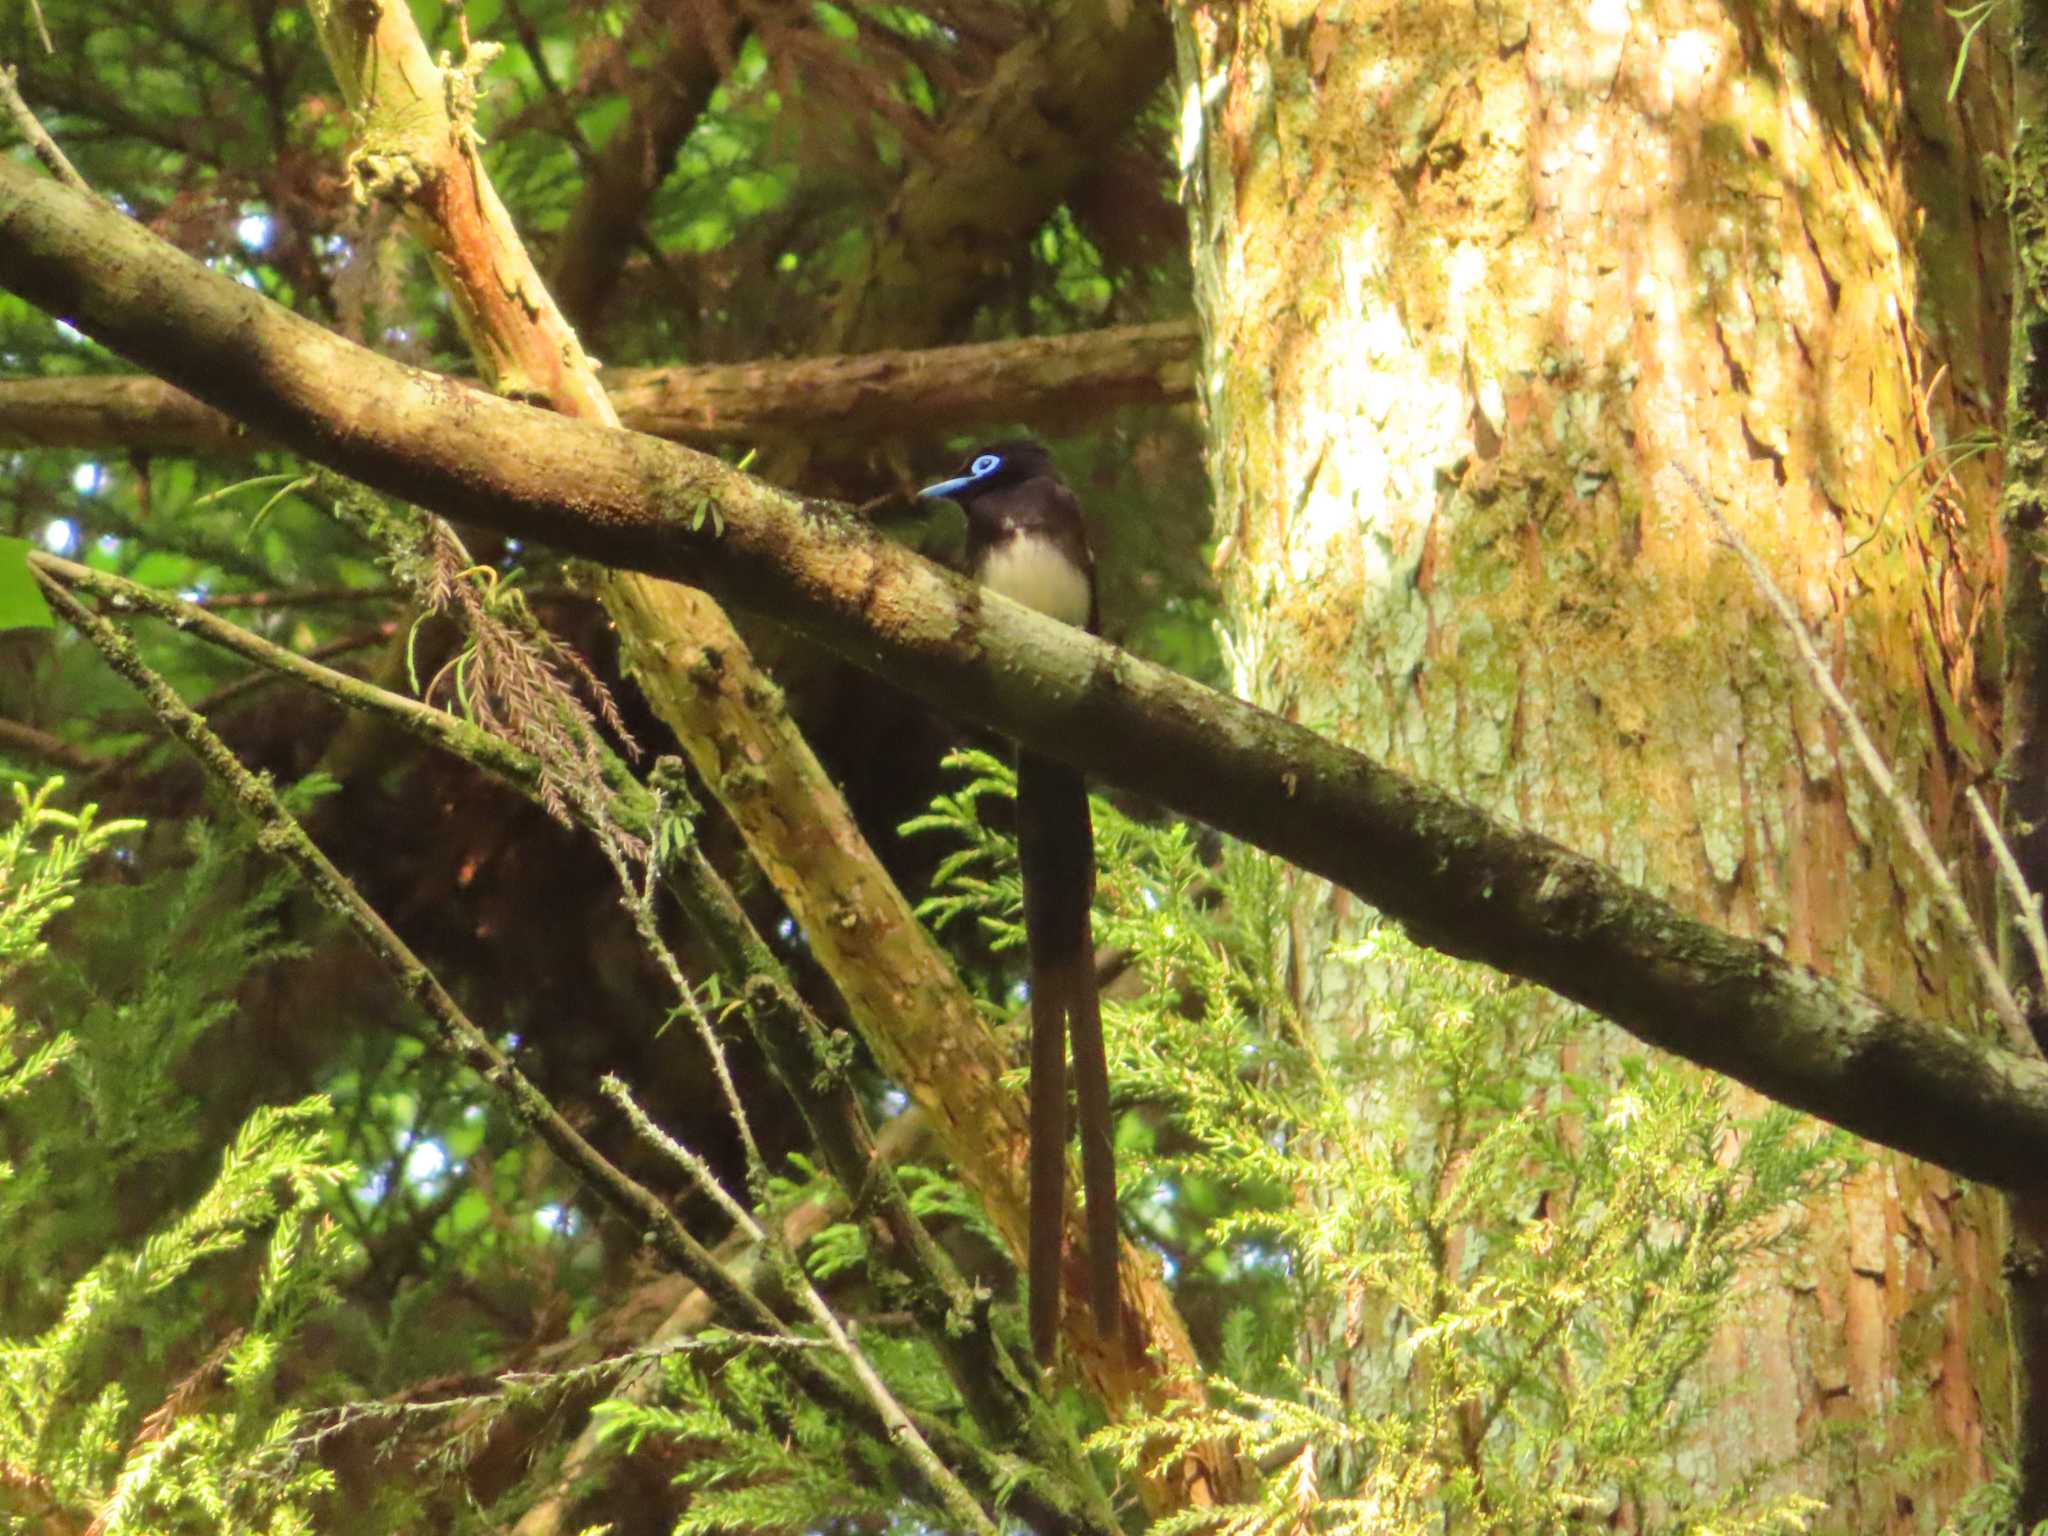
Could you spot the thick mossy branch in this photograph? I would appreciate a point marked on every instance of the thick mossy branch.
(942, 388)
(1460, 879)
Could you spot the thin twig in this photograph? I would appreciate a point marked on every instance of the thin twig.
(638, 900)
(16, 737)
(959, 1501)
(303, 597)
(614, 1088)
(281, 834)
(1902, 808)
(564, 110)
(511, 1386)
(240, 688)
(341, 645)
(451, 733)
(551, 1514)
(2026, 905)
(38, 138)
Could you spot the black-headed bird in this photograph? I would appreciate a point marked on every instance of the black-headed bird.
(1027, 540)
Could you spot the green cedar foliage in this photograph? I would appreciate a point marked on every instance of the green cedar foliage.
(1991, 1508)
(764, 1460)
(1447, 1284)
(1452, 1286)
(139, 1375)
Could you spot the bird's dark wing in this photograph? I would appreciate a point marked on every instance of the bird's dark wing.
(1056, 846)
(1072, 530)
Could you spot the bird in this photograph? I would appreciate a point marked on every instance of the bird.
(1027, 540)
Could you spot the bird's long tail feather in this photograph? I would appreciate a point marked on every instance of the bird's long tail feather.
(1048, 1159)
(1056, 846)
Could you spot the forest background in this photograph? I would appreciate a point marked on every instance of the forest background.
(493, 1040)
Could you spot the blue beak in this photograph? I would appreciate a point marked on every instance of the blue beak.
(949, 487)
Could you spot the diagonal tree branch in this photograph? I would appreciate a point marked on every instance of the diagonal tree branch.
(1007, 159)
(26, 739)
(698, 674)
(1458, 878)
(795, 1042)
(949, 1469)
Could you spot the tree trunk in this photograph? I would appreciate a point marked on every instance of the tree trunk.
(1475, 282)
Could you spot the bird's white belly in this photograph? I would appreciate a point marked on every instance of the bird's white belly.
(1032, 572)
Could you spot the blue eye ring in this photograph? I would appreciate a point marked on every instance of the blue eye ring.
(987, 464)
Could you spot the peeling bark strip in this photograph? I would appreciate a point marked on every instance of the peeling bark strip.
(939, 387)
(1460, 879)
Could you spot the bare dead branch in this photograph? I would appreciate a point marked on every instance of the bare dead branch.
(2026, 904)
(1046, 379)
(1904, 812)
(32, 131)
(17, 737)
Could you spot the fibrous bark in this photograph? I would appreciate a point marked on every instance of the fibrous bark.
(1475, 281)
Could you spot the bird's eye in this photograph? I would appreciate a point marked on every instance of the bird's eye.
(988, 463)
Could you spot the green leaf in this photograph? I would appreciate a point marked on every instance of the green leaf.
(21, 600)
